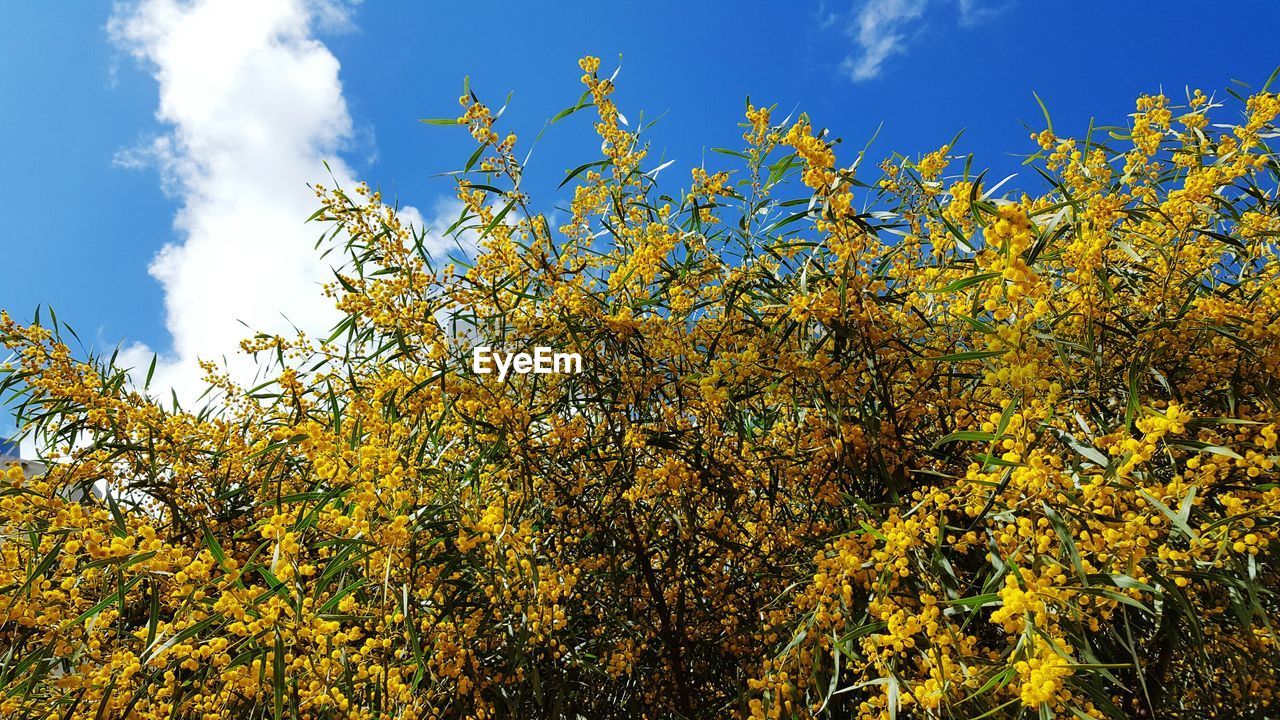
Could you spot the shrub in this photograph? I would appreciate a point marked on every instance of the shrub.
(913, 447)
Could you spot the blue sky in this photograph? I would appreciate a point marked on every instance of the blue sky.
(119, 125)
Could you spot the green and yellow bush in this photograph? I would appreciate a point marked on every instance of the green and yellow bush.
(848, 443)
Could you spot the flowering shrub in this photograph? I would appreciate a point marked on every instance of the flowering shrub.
(905, 447)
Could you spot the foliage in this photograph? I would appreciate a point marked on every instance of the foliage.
(910, 448)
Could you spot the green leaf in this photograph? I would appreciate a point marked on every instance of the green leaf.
(1132, 406)
(966, 436)
(107, 601)
(969, 355)
(1048, 122)
(1117, 596)
(580, 169)
(978, 601)
(583, 102)
(1065, 537)
(963, 283)
(278, 682)
(1199, 446)
(1175, 518)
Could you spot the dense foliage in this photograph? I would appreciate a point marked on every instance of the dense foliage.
(910, 446)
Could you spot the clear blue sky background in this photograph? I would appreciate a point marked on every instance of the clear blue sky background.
(79, 232)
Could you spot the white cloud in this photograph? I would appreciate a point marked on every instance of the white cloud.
(879, 32)
(253, 108)
(974, 12)
(826, 18)
(881, 29)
